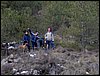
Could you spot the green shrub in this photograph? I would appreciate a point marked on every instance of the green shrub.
(90, 47)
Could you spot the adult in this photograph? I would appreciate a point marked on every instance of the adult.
(49, 37)
(33, 38)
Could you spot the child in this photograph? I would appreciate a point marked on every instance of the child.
(26, 39)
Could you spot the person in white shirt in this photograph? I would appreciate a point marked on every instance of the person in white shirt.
(49, 37)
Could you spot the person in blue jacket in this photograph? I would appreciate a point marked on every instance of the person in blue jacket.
(26, 39)
(39, 41)
(33, 38)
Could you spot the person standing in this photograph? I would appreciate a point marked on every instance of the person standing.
(33, 38)
(39, 41)
(26, 39)
(49, 37)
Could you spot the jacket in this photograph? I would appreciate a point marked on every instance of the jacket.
(26, 38)
(49, 36)
(33, 37)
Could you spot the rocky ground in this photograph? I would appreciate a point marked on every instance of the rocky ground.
(60, 61)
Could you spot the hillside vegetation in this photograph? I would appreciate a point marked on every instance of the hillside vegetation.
(76, 22)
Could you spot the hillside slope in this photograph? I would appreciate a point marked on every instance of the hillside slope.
(61, 61)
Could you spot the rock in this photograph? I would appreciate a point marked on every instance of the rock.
(17, 73)
(10, 61)
(31, 55)
(7, 69)
(3, 62)
(52, 72)
(87, 72)
(94, 68)
(14, 70)
(45, 54)
(66, 72)
(24, 72)
(16, 60)
(11, 47)
(35, 72)
(56, 62)
(11, 56)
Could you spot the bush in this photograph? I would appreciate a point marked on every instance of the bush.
(72, 45)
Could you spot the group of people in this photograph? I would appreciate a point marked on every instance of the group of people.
(36, 41)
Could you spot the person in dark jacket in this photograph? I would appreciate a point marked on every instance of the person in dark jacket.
(33, 38)
(39, 41)
(26, 39)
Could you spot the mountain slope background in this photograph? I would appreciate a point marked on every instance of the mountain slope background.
(76, 23)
